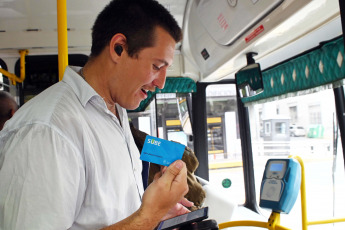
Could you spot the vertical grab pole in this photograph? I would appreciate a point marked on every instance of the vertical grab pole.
(303, 194)
(62, 36)
(22, 64)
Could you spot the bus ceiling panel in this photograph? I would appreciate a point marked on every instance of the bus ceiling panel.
(41, 14)
(217, 57)
(42, 39)
(22, 15)
(225, 21)
(34, 22)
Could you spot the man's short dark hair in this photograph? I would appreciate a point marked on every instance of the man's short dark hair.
(137, 20)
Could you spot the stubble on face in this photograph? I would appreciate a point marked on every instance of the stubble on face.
(140, 73)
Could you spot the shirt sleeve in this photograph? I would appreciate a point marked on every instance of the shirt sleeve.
(42, 180)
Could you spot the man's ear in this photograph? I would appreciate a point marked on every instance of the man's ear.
(117, 46)
(12, 111)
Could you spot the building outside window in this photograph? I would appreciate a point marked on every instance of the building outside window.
(315, 114)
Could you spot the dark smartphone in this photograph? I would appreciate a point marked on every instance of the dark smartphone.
(179, 221)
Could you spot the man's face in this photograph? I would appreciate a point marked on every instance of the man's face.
(146, 71)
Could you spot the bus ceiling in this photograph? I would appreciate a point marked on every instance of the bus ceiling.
(33, 24)
(216, 39)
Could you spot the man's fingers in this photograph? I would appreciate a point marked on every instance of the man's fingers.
(176, 168)
(186, 202)
(163, 169)
(157, 176)
(173, 170)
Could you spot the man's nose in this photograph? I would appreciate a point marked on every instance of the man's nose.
(159, 82)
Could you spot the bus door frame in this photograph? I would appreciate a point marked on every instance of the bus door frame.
(199, 126)
(339, 92)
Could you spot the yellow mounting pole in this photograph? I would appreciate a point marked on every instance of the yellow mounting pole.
(303, 194)
(12, 76)
(62, 36)
(22, 64)
(274, 222)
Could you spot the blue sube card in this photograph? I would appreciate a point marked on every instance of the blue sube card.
(160, 151)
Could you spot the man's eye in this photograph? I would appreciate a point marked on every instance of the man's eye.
(156, 67)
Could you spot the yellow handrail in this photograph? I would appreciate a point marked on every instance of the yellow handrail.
(273, 223)
(305, 221)
(62, 37)
(62, 47)
(274, 220)
(329, 221)
(14, 77)
(248, 223)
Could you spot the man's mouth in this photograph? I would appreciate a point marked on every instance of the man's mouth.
(144, 91)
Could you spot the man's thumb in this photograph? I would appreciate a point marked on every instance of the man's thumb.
(173, 170)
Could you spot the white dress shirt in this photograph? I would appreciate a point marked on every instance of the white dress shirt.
(67, 163)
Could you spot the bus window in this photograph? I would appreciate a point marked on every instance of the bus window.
(163, 119)
(169, 118)
(4, 82)
(145, 120)
(1, 81)
(304, 126)
(224, 145)
(41, 72)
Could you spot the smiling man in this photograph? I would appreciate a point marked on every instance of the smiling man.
(68, 159)
(124, 79)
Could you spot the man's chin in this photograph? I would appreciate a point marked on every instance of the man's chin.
(132, 106)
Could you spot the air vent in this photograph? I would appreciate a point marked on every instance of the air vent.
(32, 30)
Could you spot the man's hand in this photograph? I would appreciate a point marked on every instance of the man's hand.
(163, 198)
(165, 195)
(178, 209)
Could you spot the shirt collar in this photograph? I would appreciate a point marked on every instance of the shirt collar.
(81, 88)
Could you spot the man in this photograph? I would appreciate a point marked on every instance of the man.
(8, 107)
(68, 159)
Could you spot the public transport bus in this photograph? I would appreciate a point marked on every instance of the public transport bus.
(232, 126)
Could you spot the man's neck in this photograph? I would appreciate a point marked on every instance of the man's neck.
(97, 79)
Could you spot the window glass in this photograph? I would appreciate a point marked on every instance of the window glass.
(4, 82)
(172, 112)
(172, 117)
(146, 120)
(41, 72)
(305, 126)
(1, 81)
(224, 145)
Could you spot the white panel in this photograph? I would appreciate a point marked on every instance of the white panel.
(226, 21)
(290, 21)
(145, 124)
(175, 69)
(221, 208)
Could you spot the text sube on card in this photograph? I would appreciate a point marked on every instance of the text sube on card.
(160, 151)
